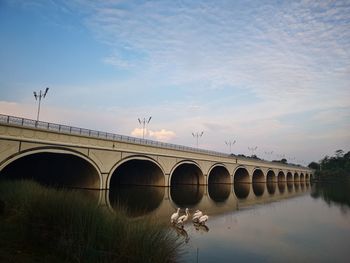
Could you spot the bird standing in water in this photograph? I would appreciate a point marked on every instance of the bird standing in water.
(203, 219)
(197, 215)
(174, 216)
(182, 219)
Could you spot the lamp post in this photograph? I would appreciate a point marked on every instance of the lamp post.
(197, 135)
(252, 149)
(143, 122)
(230, 143)
(39, 96)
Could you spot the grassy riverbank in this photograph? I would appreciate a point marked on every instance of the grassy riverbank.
(41, 225)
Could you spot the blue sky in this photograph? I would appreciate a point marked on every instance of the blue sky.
(272, 74)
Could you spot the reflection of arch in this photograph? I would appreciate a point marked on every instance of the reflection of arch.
(219, 192)
(281, 187)
(186, 172)
(258, 189)
(281, 177)
(296, 186)
(306, 177)
(296, 177)
(270, 176)
(58, 166)
(136, 200)
(241, 190)
(290, 187)
(136, 170)
(218, 174)
(289, 177)
(186, 195)
(271, 187)
(258, 176)
(241, 175)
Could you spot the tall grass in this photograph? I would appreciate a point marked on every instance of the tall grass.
(75, 229)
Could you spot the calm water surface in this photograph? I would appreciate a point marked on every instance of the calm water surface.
(285, 222)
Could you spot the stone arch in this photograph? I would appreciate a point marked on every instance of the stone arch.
(136, 170)
(241, 175)
(302, 178)
(186, 172)
(219, 174)
(66, 167)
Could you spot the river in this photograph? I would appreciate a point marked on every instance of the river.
(274, 222)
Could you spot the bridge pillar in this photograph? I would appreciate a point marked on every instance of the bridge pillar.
(104, 185)
(167, 180)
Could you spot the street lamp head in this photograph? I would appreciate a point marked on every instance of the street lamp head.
(149, 119)
(35, 95)
(46, 90)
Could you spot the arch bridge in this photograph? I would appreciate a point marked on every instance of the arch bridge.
(75, 157)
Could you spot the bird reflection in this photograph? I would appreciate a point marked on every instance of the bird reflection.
(182, 232)
(201, 227)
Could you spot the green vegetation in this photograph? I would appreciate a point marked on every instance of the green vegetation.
(48, 225)
(333, 168)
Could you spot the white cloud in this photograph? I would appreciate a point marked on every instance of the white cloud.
(137, 132)
(162, 135)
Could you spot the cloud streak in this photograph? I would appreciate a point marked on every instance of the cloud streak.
(272, 75)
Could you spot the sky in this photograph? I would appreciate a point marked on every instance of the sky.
(268, 74)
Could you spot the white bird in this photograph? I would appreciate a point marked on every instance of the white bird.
(174, 216)
(203, 219)
(197, 215)
(182, 219)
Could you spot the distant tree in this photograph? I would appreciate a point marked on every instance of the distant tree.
(280, 161)
(339, 153)
(255, 157)
(333, 167)
(314, 165)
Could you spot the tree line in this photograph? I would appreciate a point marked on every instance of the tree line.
(332, 167)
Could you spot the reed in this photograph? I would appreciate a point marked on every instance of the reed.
(66, 224)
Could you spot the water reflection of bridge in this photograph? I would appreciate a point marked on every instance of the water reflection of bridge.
(160, 202)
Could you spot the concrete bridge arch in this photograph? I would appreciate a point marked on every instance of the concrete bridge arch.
(218, 174)
(241, 175)
(58, 166)
(136, 170)
(186, 172)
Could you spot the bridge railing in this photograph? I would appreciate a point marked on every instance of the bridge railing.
(41, 125)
